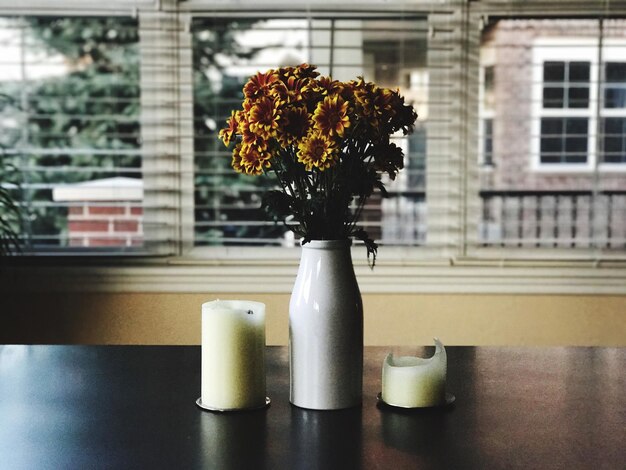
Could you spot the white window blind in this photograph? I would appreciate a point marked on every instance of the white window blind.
(518, 152)
(387, 48)
(70, 116)
(90, 117)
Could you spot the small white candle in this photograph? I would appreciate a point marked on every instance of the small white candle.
(233, 354)
(413, 382)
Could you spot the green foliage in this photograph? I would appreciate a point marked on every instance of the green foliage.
(214, 44)
(94, 107)
(9, 211)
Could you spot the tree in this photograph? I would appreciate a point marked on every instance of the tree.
(79, 126)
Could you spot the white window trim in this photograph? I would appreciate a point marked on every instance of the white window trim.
(577, 49)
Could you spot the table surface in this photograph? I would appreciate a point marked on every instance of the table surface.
(65, 407)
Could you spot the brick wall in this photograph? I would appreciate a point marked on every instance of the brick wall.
(512, 137)
(105, 223)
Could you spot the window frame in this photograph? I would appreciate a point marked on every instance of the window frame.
(579, 50)
(450, 263)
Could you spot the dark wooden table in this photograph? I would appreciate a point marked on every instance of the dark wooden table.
(123, 407)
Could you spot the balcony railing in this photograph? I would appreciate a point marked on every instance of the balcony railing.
(562, 219)
(592, 219)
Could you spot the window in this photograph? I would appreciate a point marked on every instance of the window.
(69, 125)
(573, 115)
(520, 143)
(613, 145)
(387, 49)
(558, 103)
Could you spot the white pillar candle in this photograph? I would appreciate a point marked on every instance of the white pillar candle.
(412, 382)
(233, 354)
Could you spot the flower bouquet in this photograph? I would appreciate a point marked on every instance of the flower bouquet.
(327, 142)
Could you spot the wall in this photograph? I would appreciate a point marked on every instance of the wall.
(400, 319)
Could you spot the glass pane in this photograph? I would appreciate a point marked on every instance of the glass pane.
(615, 72)
(614, 142)
(554, 72)
(70, 130)
(389, 52)
(544, 191)
(576, 126)
(579, 72)
(578, 97)
(488, 142)
(615, 86)
(553, 97)
(615, 97)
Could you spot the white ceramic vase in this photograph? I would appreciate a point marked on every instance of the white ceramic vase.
(326, 329)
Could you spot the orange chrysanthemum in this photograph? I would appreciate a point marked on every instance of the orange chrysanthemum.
(289, 90)
(259, 84)
(252, 161)
(263, 118)
(236, 160)
(228, 133)
(250, 139)
(331, 116)
(328, 86)
(294, 125)
(317, 150)
(301, 71)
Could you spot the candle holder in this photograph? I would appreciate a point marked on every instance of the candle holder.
(414, 382)
(233, 356)
(230, 410)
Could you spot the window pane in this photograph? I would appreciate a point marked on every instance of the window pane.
(488, 142)
(69, 125)
(579, 72)
(554, 72)
(564, 140)
(615, 72)
(614, 142)
(389, 52)
(553, 97)
(615, 86)
(544, 191)
(578, 97)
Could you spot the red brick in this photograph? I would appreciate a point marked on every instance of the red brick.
(88, 226)
(76, 210)
(137, 242)
(112, 210)
(126, 225)
(136, 210)
(95, 241)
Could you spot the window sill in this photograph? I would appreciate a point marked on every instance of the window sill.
(277, 276)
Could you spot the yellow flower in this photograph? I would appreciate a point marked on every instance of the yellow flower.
(331, 116)
(252, 161)
(250, 139)
(230, 130)
(294, 125)
(259, 84)
(317, 150)
(328, 86)
(236, 160)
(263, 118)
(301, 71)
